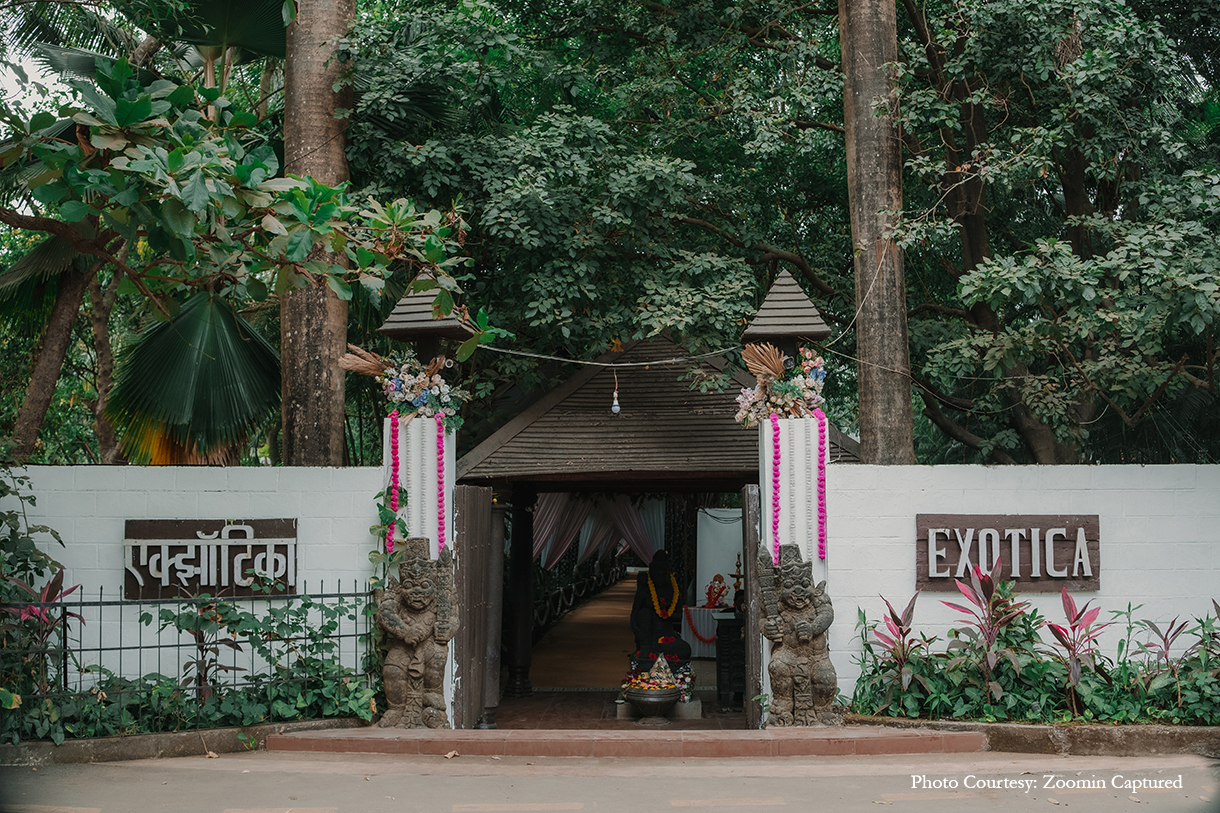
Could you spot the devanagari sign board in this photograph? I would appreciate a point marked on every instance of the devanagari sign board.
(171, 558)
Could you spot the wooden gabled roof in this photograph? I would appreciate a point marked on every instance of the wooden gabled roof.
(665, 436)
(786, 311)
(412, 319)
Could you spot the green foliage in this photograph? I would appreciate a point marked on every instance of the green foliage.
(1054, 211)
(203, 378)
(20, 557)
(294, 639)
(625, 175)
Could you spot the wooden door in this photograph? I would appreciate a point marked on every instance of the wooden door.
(474, 551)
(751, 536)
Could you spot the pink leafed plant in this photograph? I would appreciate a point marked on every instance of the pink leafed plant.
(991, 612)
(1078, 641)
(900, 647)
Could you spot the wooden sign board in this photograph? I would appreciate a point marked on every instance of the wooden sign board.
(1042, 553)
(172, 558)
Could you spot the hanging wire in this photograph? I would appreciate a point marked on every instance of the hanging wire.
(675, 360)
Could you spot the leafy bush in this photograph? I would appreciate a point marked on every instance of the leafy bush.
(296, 640)
(1006, 673)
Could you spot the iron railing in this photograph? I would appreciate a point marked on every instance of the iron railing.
(84, 667)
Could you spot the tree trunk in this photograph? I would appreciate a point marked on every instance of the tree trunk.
(313, 321)
(868, 33)
(101, 304)
(49, 359)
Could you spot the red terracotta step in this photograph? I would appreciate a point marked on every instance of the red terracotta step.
(782, 742)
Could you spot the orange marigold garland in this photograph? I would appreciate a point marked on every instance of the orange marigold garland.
(690, 623)
(656, 604)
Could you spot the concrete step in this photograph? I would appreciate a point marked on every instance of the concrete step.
(653, 743)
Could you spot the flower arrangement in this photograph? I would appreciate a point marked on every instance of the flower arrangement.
(661, 677)
(789, 393)
(409, 386)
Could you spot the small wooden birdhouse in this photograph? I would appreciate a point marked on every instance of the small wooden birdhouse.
(785, 316)
(412, 321)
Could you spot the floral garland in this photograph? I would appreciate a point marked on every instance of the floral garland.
(690, 623)
(389, 534)
(440, 482)
(795, 395)
(656, 604)
(820, 416)
(775, 486)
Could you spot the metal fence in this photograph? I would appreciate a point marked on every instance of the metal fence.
(108, 665)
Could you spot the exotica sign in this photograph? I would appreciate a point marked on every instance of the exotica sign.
(1041, 552)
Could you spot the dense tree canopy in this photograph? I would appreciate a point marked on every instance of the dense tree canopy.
(626, 170)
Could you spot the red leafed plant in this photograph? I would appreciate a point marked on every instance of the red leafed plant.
(1079, 642)
(991, 612)
(37, 621)
(900, 647)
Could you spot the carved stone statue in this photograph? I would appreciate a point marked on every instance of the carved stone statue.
(418, 612)
(796, 616)
(656, 614)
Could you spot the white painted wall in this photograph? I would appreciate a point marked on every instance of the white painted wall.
(88, 505)
(1160, 538)
(1160, 527)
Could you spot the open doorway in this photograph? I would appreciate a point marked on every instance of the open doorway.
(583, 641)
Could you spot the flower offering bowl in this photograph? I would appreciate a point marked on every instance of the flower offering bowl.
(652, 702)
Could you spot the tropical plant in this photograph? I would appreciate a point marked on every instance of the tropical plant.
(900, 651)
(991, 612)
(29, 636)
(1079, 644)
(209, 215)
(194, 388)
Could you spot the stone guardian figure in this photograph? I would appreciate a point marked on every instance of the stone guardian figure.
(796, 616)
(418, 612)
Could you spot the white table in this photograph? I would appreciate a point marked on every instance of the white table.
(705, 625)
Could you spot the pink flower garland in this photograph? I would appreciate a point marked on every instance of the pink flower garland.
(440, 482)
(821, 419)
(389, 534)
(775, 486)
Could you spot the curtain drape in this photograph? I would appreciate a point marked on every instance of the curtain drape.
(560, 519)
(630, 524)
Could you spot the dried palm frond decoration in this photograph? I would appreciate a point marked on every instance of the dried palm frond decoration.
(794, 393)
(764, 361)
(363, 362)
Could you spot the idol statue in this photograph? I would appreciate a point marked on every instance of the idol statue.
(796, 616)
(418, 612)
(656, 615)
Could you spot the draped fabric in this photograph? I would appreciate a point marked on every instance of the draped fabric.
(557, 522)
(597, 536)
(548, 512)
(627, 519)
(560, 519)
(652, 512)
(566, 531)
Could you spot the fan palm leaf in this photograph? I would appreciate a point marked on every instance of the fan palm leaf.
(256, 27)
(29, 24)
(194, 388)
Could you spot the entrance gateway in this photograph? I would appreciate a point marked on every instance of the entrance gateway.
(664, 439)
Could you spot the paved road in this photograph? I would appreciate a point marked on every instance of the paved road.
(309, 783)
